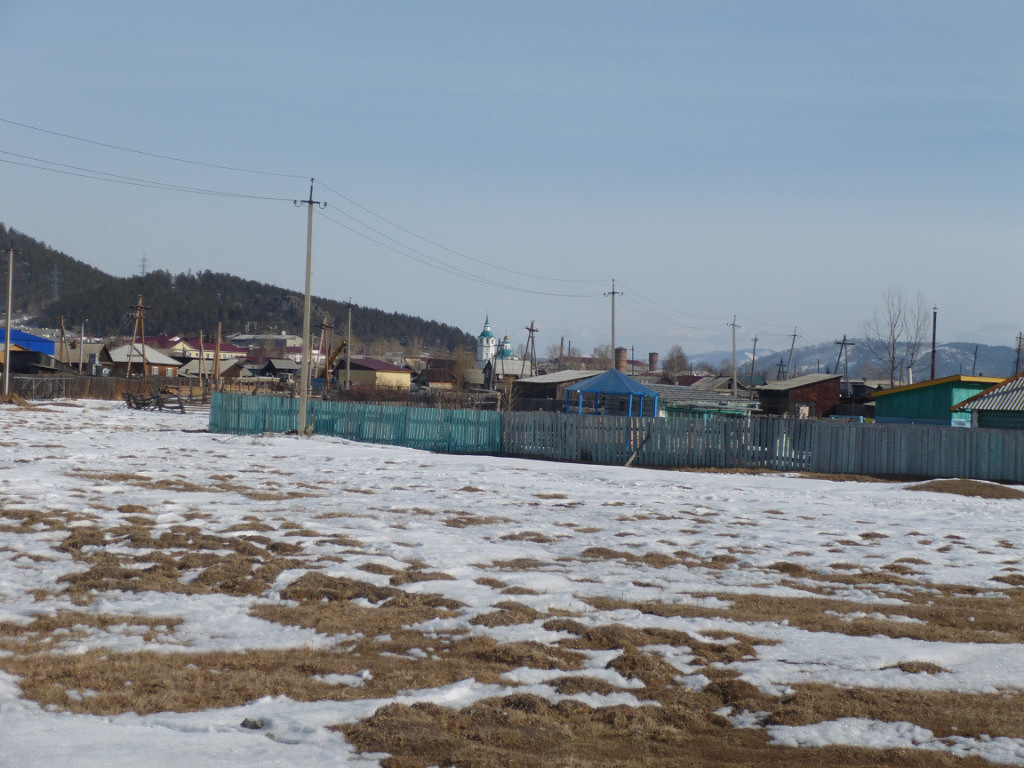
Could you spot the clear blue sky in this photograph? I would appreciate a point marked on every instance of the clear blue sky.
(784, 162)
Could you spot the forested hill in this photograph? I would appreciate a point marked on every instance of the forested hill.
(49, 285)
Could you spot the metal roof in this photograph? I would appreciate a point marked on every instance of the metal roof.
(671, 394)
(1007, 396)
(612, 383)
(153, 357)
(558, 377)
(957, 378)
(799, 381)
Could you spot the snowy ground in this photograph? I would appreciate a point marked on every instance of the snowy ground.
(506, 546)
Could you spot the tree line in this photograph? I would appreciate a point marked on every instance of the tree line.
(51, 287)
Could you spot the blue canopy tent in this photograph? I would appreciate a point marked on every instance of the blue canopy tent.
(615, 384)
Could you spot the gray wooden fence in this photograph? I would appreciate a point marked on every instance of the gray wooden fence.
(700, 441)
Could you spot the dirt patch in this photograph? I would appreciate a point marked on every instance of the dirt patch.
(969, 488)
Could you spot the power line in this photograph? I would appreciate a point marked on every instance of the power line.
(113, 178)
(430, 261)
(148, 154)
(452, 250)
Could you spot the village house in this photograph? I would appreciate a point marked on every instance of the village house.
(814, 395)
(141, 360)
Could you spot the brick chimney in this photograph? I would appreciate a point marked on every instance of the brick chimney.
(620, 359)
(652, 361)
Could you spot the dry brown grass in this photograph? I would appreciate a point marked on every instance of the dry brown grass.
(969, 488)
(377, 627)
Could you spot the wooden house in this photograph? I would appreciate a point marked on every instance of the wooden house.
(815, 395)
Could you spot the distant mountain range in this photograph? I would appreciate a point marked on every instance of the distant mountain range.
(950, 359)
(50, 286)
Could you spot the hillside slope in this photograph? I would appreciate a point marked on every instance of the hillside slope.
(50, 285)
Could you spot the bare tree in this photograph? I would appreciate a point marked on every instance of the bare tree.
(603, 356)
(675, 363)
(553, 353)
(896, 332)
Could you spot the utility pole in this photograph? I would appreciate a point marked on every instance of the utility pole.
(531, 352)
(613, 293)
(753, 358)
(7, 322)
(348, 349)
(792, 346)
(734, 327)
(304, 366)
(844, 355)
(140, 319)
(1020, 345)
(81, 349)
(935, 315)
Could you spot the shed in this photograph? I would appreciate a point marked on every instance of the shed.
(813, 395)
(998, 407)
(281, 368)
(931, 402)
(609, 389)
(370, 372)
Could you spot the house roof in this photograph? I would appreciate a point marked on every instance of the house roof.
(718, 383)
(193, 367)
(372, 364)
(153, 357)
(800, 381)
(958, 379)
(1005, 396)
(613, 383)
(558, 377)
(670, 394)
(282, 364)
(504, 366)
(208, 345)
(70, 355)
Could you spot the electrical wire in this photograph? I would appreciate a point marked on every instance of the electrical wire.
(149, 154)
(429, 261)
(452, 251)
(95, 175)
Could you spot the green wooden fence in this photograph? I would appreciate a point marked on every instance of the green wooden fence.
(429, 429)
(702, 441)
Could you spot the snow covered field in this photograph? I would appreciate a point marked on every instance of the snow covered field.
(160, 585)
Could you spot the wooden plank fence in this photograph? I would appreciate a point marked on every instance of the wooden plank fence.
(699, 441)
(429, 429)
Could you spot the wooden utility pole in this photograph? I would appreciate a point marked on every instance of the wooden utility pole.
(7, 322)
(845, 356)
(753, 359)
(81, 349)
(348, 350)
(531, 352)
(935, 315)
(792, 346)
(734, 327)
(613, 293)
(304, 369)
(140, 322)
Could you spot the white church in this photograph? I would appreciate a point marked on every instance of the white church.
(496, 358)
